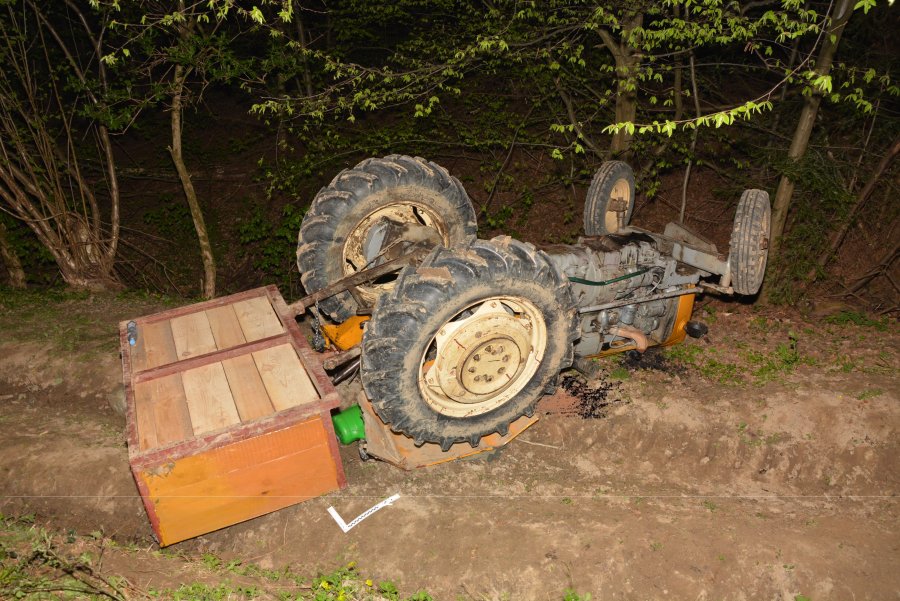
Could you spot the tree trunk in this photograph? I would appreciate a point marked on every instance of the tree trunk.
(209, 262)
(678, 85)
(303, 37)
(782, 203)
(41, 179)
(11, 260)
(626, 58)
(694, 134)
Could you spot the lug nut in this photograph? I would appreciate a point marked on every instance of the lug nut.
(505, 358)
(478, 378)
(476, 358)
(501, 370)
(471, 370)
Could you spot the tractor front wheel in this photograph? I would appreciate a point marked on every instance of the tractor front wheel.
(750, 242)
(610, 199)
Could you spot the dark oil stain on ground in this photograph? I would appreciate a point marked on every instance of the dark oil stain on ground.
(653, 359)
(592, 401)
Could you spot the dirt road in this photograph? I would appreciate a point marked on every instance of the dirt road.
(760, 463)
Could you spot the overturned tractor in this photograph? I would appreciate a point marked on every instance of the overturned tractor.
(455, 338)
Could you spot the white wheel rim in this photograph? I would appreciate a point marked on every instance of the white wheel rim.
(484, 358)
(355, 257)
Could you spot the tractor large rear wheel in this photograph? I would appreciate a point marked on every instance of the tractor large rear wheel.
(467, 342)
(356, 219)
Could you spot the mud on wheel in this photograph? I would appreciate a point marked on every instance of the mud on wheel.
(750, 242)
(356, 218)
(467, 342)
(610, 199)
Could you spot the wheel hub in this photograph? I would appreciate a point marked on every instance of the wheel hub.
(484, 358)
(491, 366)
(619, 199)
(364, 244)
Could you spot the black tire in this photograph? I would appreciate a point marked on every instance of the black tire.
(750, 242)
(696, 329)
(614, 181)
(449, 291)
(421, 188)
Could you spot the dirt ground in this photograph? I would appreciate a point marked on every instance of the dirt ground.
(758, 463)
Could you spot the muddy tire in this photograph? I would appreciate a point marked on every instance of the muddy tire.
(610, 199)
(339, 235)
(750, 242)
(467, 342)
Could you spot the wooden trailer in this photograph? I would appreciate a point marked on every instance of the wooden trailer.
(228, 413)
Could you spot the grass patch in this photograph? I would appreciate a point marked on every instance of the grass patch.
(79, 324)
(758, 439)
(620, 373)
(756, 366)
(856, 318)
(40, 564)
(703, 361)
(781, 361)
(869, 394)
(32, 566)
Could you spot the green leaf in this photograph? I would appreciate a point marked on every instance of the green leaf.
(865, 5)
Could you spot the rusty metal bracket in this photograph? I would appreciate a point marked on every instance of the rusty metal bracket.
(350, 282)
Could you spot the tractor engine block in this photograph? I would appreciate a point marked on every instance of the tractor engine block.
(623, 271)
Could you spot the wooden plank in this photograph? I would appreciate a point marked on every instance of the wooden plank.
(155, 346)
(145, 417)
(173, 421)
(209, 358)
(136, 353)
(285, 379)
(257, 318)
(193, 335)
(131, 435)
(209, 398)
(312, 361)
(206, 305)
(165, 399)
(226, 328)
(247, 388)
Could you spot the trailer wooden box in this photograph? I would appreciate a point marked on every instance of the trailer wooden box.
(228, 414)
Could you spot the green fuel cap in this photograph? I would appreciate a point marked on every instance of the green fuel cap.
(349, 425)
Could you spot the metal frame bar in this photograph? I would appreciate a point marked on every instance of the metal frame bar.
(352, 281)
(644, 299)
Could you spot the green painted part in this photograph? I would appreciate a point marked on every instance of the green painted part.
(607, 282)
(349, 425)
